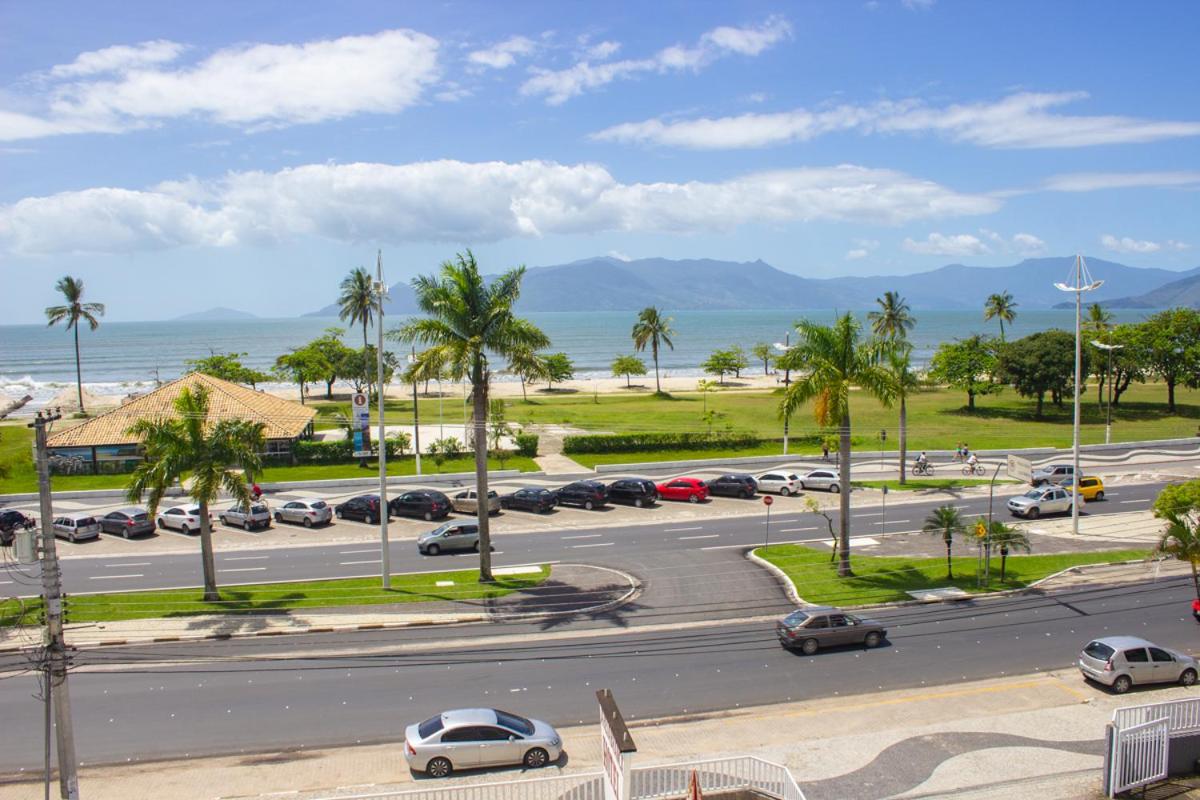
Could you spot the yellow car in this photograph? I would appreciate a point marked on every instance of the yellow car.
(1090, 487)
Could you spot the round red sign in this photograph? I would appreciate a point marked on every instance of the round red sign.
(767, 499)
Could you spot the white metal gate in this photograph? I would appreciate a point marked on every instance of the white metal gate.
(1139, 756)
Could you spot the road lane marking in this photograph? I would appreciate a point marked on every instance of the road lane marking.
(598, 544)
(128, 564)
(870, 514)
(246, 569)
(702, 536)
(585, 536)
(112, 577)
(894, 522)
(5, 583)
(793, 530)
(680, 530)
(245, 558)
(350, 563)
(356, 552)
(1123, 502)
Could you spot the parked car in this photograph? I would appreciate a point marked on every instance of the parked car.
(587, 494)
(428, 504)
(636, 492)
(1122, 662)
(467, 502)
(810, 628)
(255, 515)
(733, 485)
(785, 483)
(77, 528)
(185, 519)
(691, 489)
(531, 498)
(450, 536)
(1090, 487)
(1039, 501)
(1051, 473)
(304, 512)
(364, 508)
(127, 522)
(12, 521)
(825, 479)
(479, 737)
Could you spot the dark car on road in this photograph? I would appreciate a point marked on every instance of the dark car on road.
(531, 498)
(12, 521)
(637, 492)
(364, 508)
(127, 522)
(586, 494)
(810, 628)
(743, 486)
(426, 504)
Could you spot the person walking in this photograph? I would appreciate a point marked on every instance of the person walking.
(825, 451)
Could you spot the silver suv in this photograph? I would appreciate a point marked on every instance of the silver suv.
(1051, 473)
(1039, 501)
(256, 516)
(1123, 661)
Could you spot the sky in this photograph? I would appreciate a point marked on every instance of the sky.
(179, 156)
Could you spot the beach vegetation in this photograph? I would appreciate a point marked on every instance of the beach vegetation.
(652, 329)
(73, 313)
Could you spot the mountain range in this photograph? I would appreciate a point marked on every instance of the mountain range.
(610, 284)
(216, 314)
(1184, 292)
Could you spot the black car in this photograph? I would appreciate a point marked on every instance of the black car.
(635, 491)
(12, 521)
(426, 504)
(127, 522)
(531, 498)
(733, 486)
(364, 508)
(588, 494)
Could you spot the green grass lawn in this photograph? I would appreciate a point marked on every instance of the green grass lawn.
(880, 579)
(268, 597)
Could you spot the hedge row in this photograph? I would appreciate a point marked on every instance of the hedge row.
(337, 452)
(643, 442)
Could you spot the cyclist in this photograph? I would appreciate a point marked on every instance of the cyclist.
(922, 462)
(972, 462)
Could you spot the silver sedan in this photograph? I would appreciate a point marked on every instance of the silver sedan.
(185, 519)
(304, 512)
(468, 738)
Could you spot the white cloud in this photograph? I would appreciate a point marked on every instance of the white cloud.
(503, 54)
(1028, 245)
(618, 255)
(918, 5)
(1017, 121)
(1096, 181)
(558, 86)
(119, 58)
(862, 249)
(253, 86)
(937, 244)
(1127, 244)
(601, 51)
(454, 201)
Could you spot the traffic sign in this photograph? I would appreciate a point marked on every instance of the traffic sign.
(1019, 468)
(361, 411)
(767, 499)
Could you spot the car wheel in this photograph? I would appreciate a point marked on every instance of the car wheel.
(246, 525)
(476, 546)
(834, 488)
(536, 758)
(307, 522)
(162, 524)
(809, 647)
(125, 532)
(71, 539)
(1122, 684)
(185, 530)
(784, 491)
(429, 516)
(588, 505)
(438, 767)
(433, 550)
(222, 520)
(872, 639)
(1099, 496)
(1033, 513)
(745, 495)
(369, 519)
(1188, 677)
(637, 503)
(278, 517)
(693, 498)
(337, 512)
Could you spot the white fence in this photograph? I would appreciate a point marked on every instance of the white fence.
(1182, 716)
(1139, 756)
(741, 772)
(585, 786)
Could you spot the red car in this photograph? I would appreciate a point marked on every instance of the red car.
(691, 489)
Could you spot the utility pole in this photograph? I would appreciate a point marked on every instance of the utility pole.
(52, 597)
(384, 548)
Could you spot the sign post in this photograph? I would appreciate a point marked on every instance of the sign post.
(360, 422)
(767, 501)
(616, 748)
(1020, 468)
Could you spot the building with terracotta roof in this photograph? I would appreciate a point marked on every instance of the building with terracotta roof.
(102, 444)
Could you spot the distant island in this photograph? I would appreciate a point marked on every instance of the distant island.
(217, 314)
(1184, 292)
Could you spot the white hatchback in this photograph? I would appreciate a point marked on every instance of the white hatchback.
(784, 483)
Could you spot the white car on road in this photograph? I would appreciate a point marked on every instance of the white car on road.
(1042, 500)
(784, 483)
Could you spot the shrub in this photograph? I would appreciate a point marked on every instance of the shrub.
(527, 444)
(330, 452)
(631, 442)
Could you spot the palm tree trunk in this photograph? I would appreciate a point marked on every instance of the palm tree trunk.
(903, 438)
(78, 371)
(844, 485)
(1196, 577)
(479, 395)
(524, 396)
(949, 563)
(657, 385)
(211, 595)
(366, 362)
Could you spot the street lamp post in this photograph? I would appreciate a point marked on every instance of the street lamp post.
(783, 347)
(412, 359)
(1080, 286)
(384, 547)
(1108, 348)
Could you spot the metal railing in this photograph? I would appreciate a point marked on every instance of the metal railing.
(585, 786)
(716, 774)
(1182, 716)
(1139, 756)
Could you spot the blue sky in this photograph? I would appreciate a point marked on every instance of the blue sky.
(179, 156)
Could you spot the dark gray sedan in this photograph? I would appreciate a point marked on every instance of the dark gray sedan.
(132, 521)
(810, 628)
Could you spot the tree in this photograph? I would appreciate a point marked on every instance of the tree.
(358, 369)
(1098, 327)
(201, 456)
(331, 348)
(628, 365)
(228, 367)
(303, 366)
(948, 523)
(498, 426)
(357, 304)
(653, 329)
(558, 369)
(468, 321)
(1000, 306)
(898, 362)
(894, 318)
(1179, 505)
(1128, 362)
(968, 365)
(813, 507)
(764, 353)
(450, 447)
(1007, 538)
(704, 386)
(835, 359)
(739, 360)
(720, 363)
(1041, 362)
(528, 366)
(1170, 343)
(74, 311)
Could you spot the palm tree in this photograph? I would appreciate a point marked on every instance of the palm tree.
(188, 445)
(945, 520)
(834, 359)
(898, 362)
(74, 311)
(652, 328)
(358, 305)
(1181, 540)
(528, 365)
(893, 320)
(1000, 306)
(468, 320)
(1007, 538)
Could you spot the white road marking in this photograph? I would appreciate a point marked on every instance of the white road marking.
(893, 521)
(870, 514)
(702, 536)
(246, 569)
(112, 577)
(349, 563)
(680, 530)
(598, 544)
(1124, 502)
(5, 583)
(246, 558)
(793, 530)
(585, 536)
(356, 552)
(128, 564)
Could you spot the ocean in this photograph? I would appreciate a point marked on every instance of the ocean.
(123, 357)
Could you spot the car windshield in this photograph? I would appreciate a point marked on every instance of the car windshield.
(513, 722)
(1099, 650)
(195, 510)
(429, 727)
(318, 504)
(1033, 494)
(796, 618)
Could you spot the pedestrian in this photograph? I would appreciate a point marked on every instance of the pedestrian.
(824, 451)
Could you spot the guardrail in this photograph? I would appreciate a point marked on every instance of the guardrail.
(1182, 716)
(585, 786)
(716, 774)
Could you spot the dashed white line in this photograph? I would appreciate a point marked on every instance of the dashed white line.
(585, 536)
(351, 563)
(702, 536)
(871, 514)
(355, 552)
(5, 583)
(680, 530)
(246, 569)
(793, 530)
(597, 544)
(246, 558)
(112, 577)
(128, 564)
(1125, 502)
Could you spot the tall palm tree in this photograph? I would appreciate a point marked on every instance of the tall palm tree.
(188, 446)
(74, 311)
(358, 305)
(654, 329)
(898, 362)
(1000, 306)
(468, 321)
(946, 521)
(1007, 538)
(894, 318)
(528, 365)
(1181, 540)
(835, 359)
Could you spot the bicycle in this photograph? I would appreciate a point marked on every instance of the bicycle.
(922, 469)
(978, 469)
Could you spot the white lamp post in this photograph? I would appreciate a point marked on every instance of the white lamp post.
(1108, 348)
(1081, 275)
(783, 347)
(412, 359)
(384, 548)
